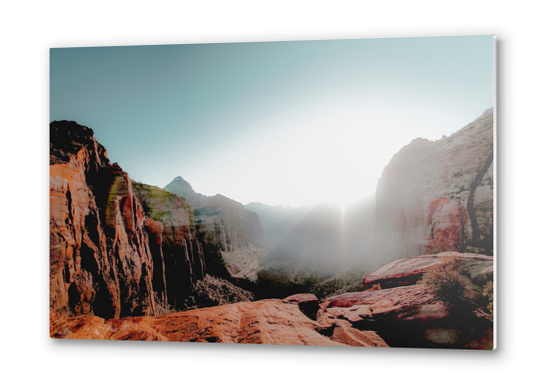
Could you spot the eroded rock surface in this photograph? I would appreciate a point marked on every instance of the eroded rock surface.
(261, 322)
(307, 303)
(99, 248)
(409, 271)
(403, 316)
(407, 314)
(107, 256)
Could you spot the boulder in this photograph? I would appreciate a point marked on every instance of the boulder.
(307, 303)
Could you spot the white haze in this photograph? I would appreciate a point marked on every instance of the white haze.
(326, 152)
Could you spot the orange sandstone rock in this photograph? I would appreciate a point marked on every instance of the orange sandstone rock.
(408, 271)
(261, 322)
(107, 257)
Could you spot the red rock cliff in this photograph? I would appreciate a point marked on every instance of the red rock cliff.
(183, 258)
(107, 257)
(438, 196)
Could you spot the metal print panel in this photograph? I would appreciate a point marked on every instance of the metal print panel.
(325, 193)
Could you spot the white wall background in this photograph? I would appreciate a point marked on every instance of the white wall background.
(29, 29)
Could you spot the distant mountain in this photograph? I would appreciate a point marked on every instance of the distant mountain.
(226, 225)
(181, 187)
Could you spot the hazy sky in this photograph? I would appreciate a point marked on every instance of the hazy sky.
(287, 123)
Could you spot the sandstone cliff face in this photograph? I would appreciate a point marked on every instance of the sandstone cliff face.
(100, 258)
(108, 257)
(227, 225)
(438, 196)
(183, 259)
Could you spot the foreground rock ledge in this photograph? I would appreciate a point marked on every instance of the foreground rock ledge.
(262, 322)
(404, 315)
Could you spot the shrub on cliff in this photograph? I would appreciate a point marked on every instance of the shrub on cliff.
(446, 281)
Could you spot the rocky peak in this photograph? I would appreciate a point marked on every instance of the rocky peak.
(227, 222)
(181, 187)
(67, 138)
(226, 228)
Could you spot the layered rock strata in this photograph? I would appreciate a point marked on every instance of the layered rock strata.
(438, 196)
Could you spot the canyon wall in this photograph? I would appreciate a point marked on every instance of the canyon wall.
(183, 259)
(107, 256)
(438, 196)
(228, 222)
(226, 227)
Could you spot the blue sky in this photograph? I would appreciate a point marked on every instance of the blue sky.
(277, 122)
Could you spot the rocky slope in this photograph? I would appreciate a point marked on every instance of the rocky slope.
(263, 322)
(410, 270)
(438, 196)
(225, 224)
(407, 315)
(107, 257)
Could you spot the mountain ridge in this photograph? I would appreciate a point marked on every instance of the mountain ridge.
(226, 225)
